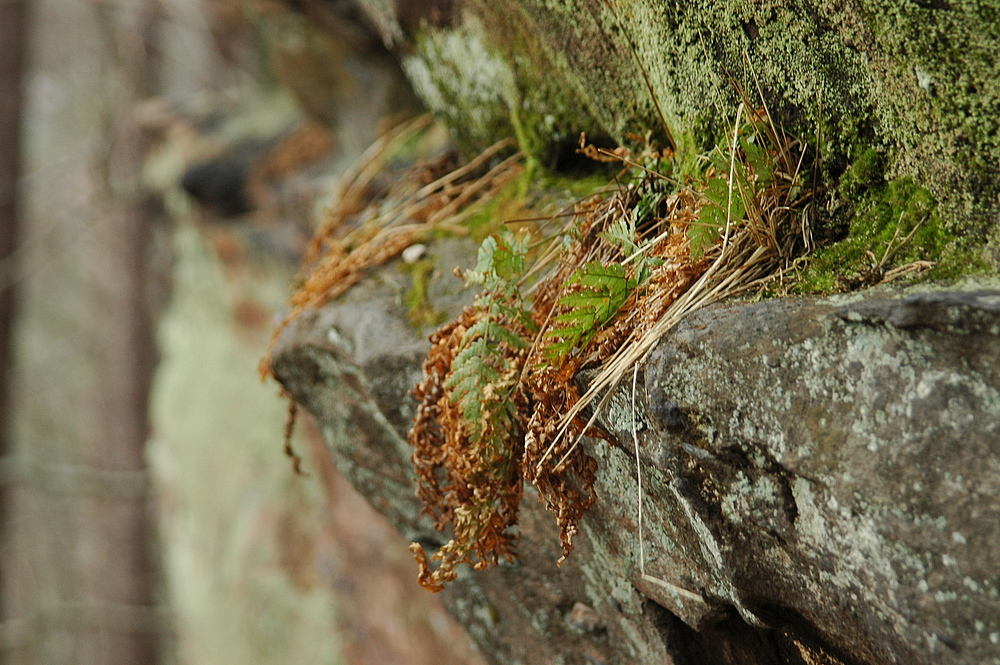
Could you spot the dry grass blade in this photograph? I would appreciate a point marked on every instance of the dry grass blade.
(360, 232)
(750, 254)
(350, 196)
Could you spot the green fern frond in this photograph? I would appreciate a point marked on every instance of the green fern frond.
(483, 372)
(622, 234)
(600, 292)
(752, 170)
(500, 263)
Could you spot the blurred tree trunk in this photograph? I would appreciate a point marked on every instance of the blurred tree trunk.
(119, 535)
(78, 557)
(13, 26)
(13, 45)
(118, 532)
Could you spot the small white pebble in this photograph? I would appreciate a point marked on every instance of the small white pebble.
(958, 537)
(413, 253)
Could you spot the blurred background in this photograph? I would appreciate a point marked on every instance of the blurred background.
(161, 165)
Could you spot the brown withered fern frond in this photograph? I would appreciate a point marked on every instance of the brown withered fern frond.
(467, 441)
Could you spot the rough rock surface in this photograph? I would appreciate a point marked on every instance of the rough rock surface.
(840, 465)
(914, 82)
(820, 482)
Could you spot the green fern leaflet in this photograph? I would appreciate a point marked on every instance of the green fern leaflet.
(602, 291)
(484, 371)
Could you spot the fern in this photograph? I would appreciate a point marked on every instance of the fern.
(621, 233)
(467, 441)
(485, 370)
(753, 171)
(498, 401)
(501, 261)
(599, 290)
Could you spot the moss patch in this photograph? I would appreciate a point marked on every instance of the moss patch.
(896, 223)
(420, 312)
(911, 89)
(464, 82)
(510, 203)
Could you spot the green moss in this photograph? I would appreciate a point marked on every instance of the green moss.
(420, 313)
(490, 78)
(916, 85)
(896, 90)
(867, 171)
(547, 115)
(508, 203)
(574, 187)
(529, 141)
(896, 223)
(902, 103)
(464, 82)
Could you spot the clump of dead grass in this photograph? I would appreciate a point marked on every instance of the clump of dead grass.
(370, 223)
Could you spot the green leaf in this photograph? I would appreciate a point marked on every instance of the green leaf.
(484, 262)
(720, 160)
(705, 233)
(718, 191)
(760, 163)
(576, 325)
(505, 263)
(588, 299)
(621, 233)
(500, 334)
(558, 350)
(603, 290)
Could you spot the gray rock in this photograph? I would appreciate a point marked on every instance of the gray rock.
(820, 484)
(846, 464)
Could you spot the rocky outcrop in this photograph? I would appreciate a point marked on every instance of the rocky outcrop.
(837, 466)
(892, 89)
(819, 482)
(819, 476)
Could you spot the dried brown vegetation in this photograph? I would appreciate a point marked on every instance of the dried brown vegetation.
(499, 401)
(370, 223)
(635, 263)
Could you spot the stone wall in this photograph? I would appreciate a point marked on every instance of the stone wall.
(819, 482)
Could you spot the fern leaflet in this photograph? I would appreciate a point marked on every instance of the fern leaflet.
(600, 292)
(484, 372)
